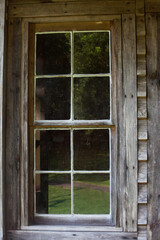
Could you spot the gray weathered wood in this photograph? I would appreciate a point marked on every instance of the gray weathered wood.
(130, 123)
(142, 129)
(141, 46)
(153, 76)
(2, 34)
(71, 8)
(139, 7)
(142, 172)
(141, 65)
(38, 235)
(12, 179)
(142, 150)
(141, 86)
(140, 25)
(142, 214)
(142, 108)
(142, 193)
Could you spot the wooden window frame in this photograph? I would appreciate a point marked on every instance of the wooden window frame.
(116, 48)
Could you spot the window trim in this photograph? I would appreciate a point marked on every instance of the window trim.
(114, 24)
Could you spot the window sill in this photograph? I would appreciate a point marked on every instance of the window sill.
(107, 233)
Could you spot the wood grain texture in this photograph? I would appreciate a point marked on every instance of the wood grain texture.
(152, 6)
(142, 129)
(142, 172)
(142, 86)
(153, 86)
(141, 65)
(30, 235)
(2, 40)
(140, 7)
(141, 45)
(140, 23)
(71, 8)
(22, 2)
(142, 214)
(142, 150)
(142, 108)
(130, 123)
(142, 193)
(12, 179)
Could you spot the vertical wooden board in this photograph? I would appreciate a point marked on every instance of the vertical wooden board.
(141, 64)
(117, 112)
(2, 29)
(141, 86)
(142, 108)
(13, 125)
(130, 122)
(24, 127)
(142, 129)
(140, 6)
(153, 90)
(140, 25)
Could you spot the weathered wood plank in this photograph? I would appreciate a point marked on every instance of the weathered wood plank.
(152, 6)
(55, 1)
(141, 65)
(141, 45)
(142, 150)
(140, 23)
(142, 172)
(130, 122)
(30, 235)
(142, 193)
(140, 6)
(71, 8)
(13, 125)
(142, 130)
(142, 236)
(153, 73)
(142, 215)
(142, 86)
(24, 127)
(2, 40)
(142, 108)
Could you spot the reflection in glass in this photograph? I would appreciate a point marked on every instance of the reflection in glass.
(91, 149)
(53, 98)
(53, 194)
(53, 150)
(91, 194)
(53, 54)
(91, 52)
(91, 98)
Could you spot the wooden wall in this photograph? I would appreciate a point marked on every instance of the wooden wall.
(143, 17)
(2, 75)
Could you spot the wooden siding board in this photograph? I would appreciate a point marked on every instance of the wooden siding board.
(152, 6)
(130, 122)
(153, 91)
(13, 126)
(30, 235)
(71, 8)
(142, 129)
(2, 31)
(142, 150)
(142, 172)
(142, 86)
(142, 108)
(142, 193)
(142, 214)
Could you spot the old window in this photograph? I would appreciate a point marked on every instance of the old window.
(72, 132)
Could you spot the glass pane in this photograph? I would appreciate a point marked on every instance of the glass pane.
(53, 54)
(91, 150)
(91, 194)
(91, 98)
(53, 99)
(53, 150)
(91, 52)
(53, 194)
